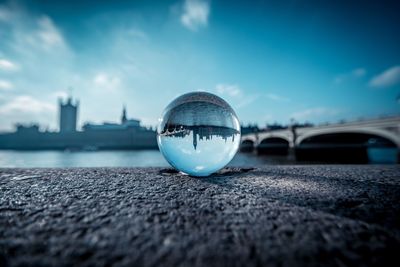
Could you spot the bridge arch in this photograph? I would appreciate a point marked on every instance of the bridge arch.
(351, 146)
(249, 137)
(392, 137)
(274, 145)
(247, 145)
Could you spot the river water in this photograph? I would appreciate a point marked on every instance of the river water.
(144, 158)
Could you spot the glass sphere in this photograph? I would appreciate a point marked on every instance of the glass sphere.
(199, 133)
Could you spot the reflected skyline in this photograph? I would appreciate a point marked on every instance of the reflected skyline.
(200, 132)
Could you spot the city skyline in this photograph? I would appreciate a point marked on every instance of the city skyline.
(127, 134)
(270, 60)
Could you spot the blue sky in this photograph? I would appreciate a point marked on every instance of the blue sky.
(316, 61)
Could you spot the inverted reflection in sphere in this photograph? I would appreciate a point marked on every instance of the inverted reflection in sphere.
(199, 133)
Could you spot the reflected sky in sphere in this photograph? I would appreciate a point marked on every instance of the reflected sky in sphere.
(199, 133)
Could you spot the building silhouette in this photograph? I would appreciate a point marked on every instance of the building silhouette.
(125, 124)
(128, 134)
(123, 117)
(68, 115)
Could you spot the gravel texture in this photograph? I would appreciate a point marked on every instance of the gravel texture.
(275, 216)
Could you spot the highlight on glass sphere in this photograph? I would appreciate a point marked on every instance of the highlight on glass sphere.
(199, 133)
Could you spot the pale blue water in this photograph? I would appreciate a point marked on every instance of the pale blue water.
(143, 158)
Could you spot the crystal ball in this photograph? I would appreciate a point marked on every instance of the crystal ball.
(198, 134)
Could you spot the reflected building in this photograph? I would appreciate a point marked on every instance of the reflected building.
(200, 132)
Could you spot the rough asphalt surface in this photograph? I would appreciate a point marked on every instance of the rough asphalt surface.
(274, 216)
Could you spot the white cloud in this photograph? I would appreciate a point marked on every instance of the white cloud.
(48, 34)
(27, 109)
(26, 104)
(314, 113)
(32, 38)
(7, 65)
(5, 85)
(238, 98)
(387, 78)
(195, 14)
(246, 100)
(106, 81)
(229, 89)
(277, 98)
(352, 75)
(32, 35)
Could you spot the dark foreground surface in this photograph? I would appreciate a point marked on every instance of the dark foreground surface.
(276, 216)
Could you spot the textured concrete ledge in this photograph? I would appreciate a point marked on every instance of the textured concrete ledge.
(275, 216)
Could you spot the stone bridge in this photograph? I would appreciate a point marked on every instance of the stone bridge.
(383, 132)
